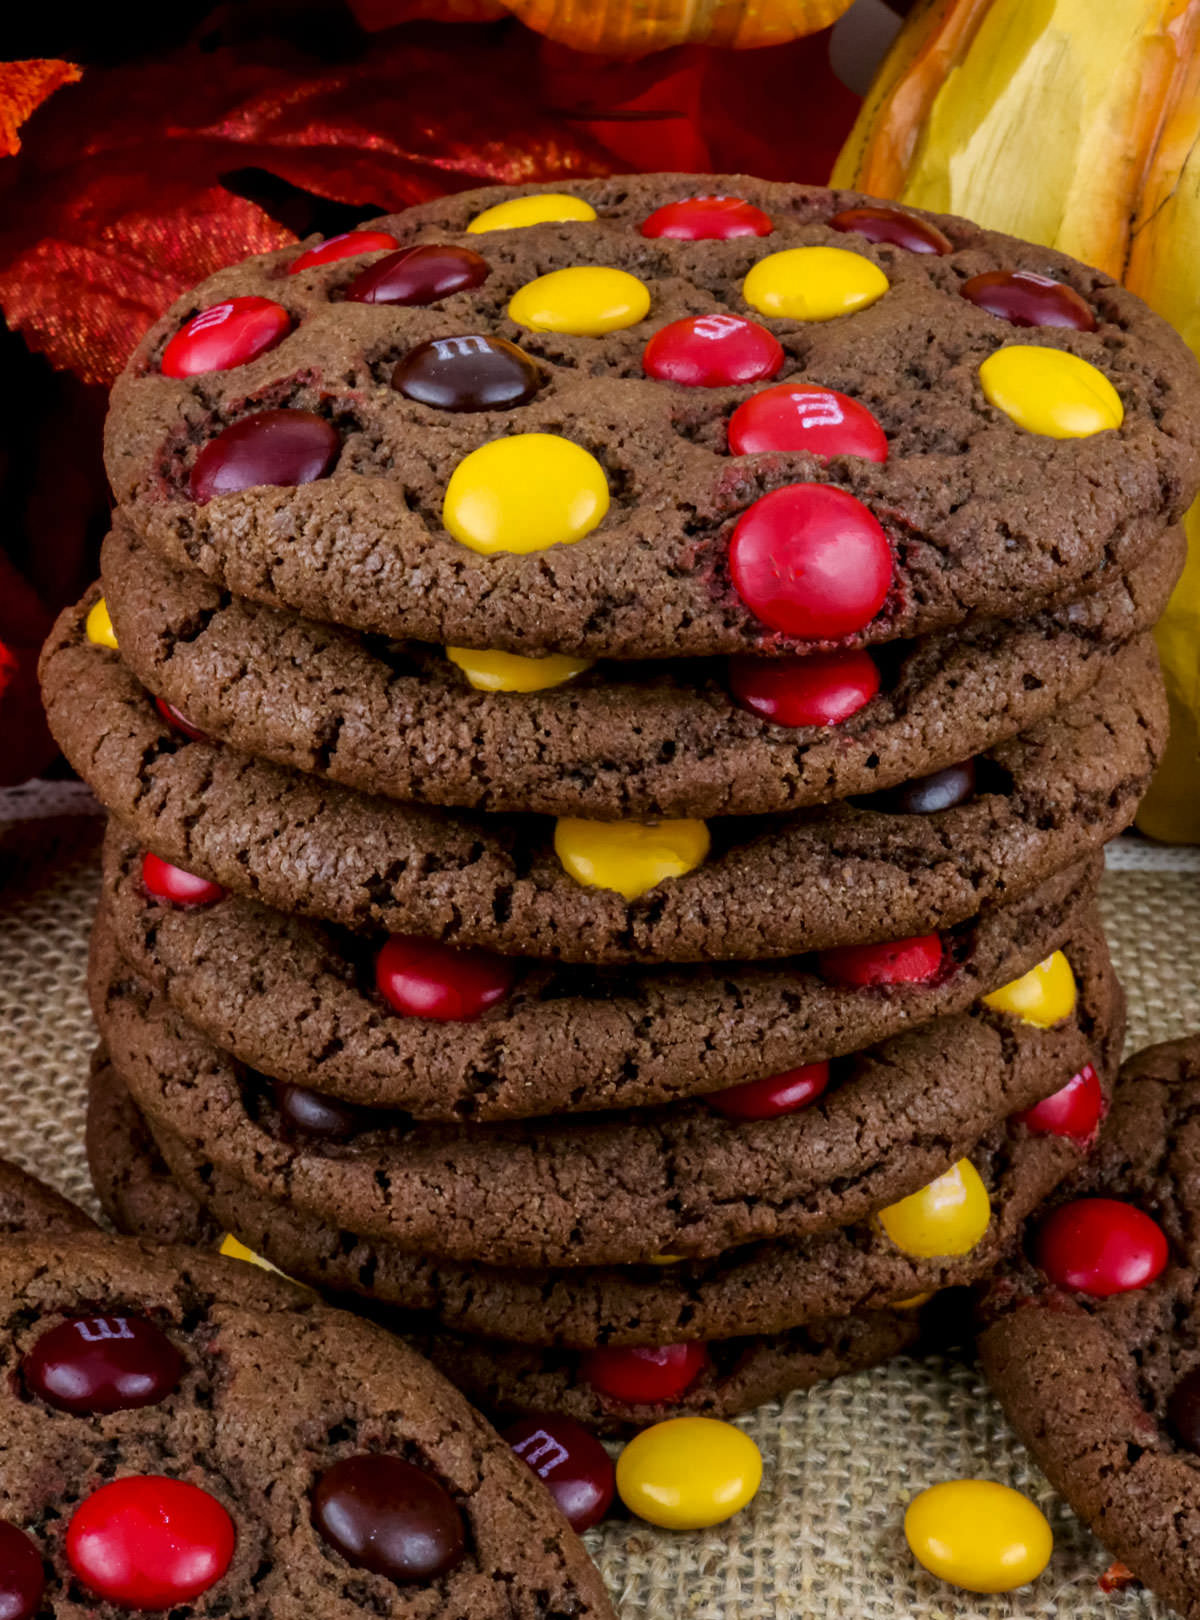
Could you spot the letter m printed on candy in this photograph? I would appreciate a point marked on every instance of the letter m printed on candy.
(542, 1452)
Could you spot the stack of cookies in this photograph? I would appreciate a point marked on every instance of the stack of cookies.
(610, 705)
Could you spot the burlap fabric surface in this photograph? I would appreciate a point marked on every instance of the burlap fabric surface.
(823, 1538)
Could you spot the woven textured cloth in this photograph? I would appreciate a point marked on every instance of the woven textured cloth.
(823, 1538)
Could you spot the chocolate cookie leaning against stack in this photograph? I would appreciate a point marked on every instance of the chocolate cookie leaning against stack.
(610, 705)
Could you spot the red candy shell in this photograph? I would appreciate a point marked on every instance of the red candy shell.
(712, 351)
(176, 718)
(897, 961)
(570, 1462)
(148, 1542)
(639, 1376)
(1074, 1111)
(1023, 298)
(225, 335)
(22, 1574)
(795, 416)
(1101, 1246)
(279, 447)
(422, 978)
(346, 246)
(162, 881)
(811, 560)
(823, 689)
(777, 1094)
(894, 226)
(707, 219)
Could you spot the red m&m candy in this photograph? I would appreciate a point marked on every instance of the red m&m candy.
(896, 961)
(346, 246)
(570, 1462)
(1024, 298)
(642, 1375)
(176, 717)
(419, 275)
(162, 881)
(422, 978)
(823, 689)
(895, 226)
(793, 416)
(707, 219)
(1101, 1246)
(148, 1542)
(811, 560)
(22, 1575)
(1075, 1110)
(775, 1095)
(103, 1364)
(712, 351)
(271, 447)
(226, 335)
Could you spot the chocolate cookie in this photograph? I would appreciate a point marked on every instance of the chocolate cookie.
(185, 1433)
(1093, 1345)
(27, 1204)
(978, 507)
(688, 738)
(769, 887)
(299, 1001)
(732, 1376)
(610, 1189)
(764, 1290)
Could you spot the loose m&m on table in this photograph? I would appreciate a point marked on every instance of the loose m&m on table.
(978, 1535)
(689, 1473)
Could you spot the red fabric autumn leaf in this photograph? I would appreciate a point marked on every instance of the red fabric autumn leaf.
(115, 205)
(23, 88)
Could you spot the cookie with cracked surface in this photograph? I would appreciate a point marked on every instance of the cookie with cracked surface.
(507, 1379)
(686, 738)
(1093, 1344)
(763, 1290)
(27, 1204)
(978, 507)
(300, 1001)
(610, 1188)
(766, 887)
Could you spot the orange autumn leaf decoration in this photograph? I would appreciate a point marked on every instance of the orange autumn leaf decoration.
(23, 88)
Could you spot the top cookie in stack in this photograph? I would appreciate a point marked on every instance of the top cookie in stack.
(795, 554)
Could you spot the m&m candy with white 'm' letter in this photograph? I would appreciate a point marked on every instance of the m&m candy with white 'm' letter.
(689, 1473)
(631, 857)
(525, 493)
(570, 1462)
(707, 219)
(224, 336)
(799, 416)
(979, 1535)
(712, 351)
(813, 283)
(811, 560)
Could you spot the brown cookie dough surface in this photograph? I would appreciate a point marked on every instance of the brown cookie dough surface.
(1092, 1384)
(770, 886)
(981, 515)
(613, 1188)
(27, 1204)
(616, 741)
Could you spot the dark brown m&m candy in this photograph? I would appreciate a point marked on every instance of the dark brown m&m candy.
(1183, 1413)
(102, 1364)
(22, 1576)
(418, 275)
(467, 373)
(570, 1462)
(1024, 298)
(272, 447)
(383, 1514)
(311, 1113)
(926, 795)
(894, 226)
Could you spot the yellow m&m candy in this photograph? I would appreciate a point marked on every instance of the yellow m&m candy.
(949, 1216)
(813, 283)
(688, 1473)
(1048, 391)
(629, 856)
(509, 672)
(98, 626)
(979, 1535)
(546, 209)
(586, 300)
(525, 493)
(1040, 997)
(234, 1249)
